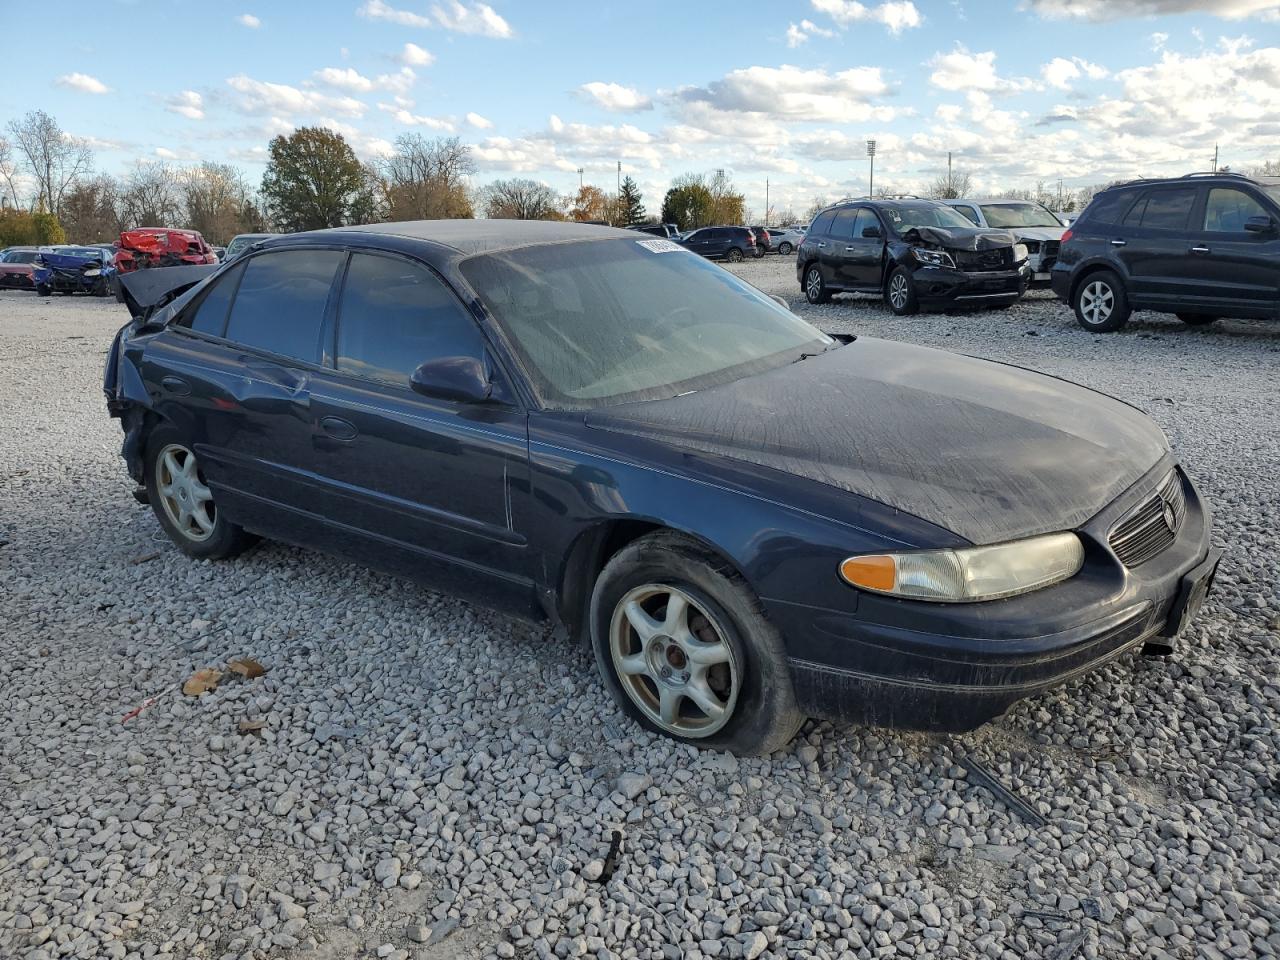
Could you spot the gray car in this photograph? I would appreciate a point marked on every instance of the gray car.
(1031, 223)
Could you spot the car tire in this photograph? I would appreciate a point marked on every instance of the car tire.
(44, 290)
(740, 671)
(734, 255)
(900, 293)
(1196, 319)
(1100, 303)
(785, 249)
(815, 287)
(183, 503)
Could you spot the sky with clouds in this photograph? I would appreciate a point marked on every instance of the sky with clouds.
(1019, 91)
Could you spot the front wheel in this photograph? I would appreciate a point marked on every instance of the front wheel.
(684, 647)
(1195, 319)
(1101, 305)
(734, 255)
(900, 293)
(815, 288)
(785, 249)
(183, 502)
(44, 290)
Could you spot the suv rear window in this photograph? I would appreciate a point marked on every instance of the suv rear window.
(823, 221)
(1108, 207)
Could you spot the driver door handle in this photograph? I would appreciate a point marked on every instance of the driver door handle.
(820, 244)
(1118, 243)
(1199, 249)
(338, 429)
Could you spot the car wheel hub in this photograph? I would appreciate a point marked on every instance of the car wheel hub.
(673, 661)
(815, 283)
(898, 292)
(1097, 302)
(187, 501)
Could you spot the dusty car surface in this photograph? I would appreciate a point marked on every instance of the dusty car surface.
(749, 521)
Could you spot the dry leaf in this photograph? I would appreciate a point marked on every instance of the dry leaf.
(202, 681)
(247, 667)
(251, 726)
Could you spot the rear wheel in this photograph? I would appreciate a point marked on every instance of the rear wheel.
(734, 255)
(44, 290)
(785, 248)
(1101, 304)
(683, 645)
(183, 502)
(815, 288)
(900, 293)
(1196, 319)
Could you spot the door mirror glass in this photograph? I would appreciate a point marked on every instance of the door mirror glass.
(461, 379)
(871, 232)
(1262, 224)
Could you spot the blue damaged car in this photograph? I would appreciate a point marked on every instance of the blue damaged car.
(69, 269)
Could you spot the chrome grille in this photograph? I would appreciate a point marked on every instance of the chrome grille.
(1147, 531)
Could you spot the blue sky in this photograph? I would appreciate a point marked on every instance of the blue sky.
(1019, 90)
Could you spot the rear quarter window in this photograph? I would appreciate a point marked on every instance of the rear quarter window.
(1108, 207)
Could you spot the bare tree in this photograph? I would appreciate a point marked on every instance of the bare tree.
(521, 199)
(90, 210)
(951, 186)
(427, 179)
(55, 159)
(218, 202)
(815, 208)
(151, 196)
(9, 174)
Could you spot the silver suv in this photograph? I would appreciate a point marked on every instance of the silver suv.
(1031, 223)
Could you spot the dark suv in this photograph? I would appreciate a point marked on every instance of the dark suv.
(721, 243)
(916, 253)
(1201, 247)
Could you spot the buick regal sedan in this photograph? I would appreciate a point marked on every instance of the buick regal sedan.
(749, 521)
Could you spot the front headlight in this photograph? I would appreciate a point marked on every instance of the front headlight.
(933, 258)
(973, 573)
(1019, 252)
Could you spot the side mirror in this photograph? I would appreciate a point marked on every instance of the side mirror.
(870, 233)
(1260, 224)
(461, 379)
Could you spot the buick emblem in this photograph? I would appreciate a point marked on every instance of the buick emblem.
(1170, 518)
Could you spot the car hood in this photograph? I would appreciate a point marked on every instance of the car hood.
(1039, 233)
(960, 238)
(988, 451)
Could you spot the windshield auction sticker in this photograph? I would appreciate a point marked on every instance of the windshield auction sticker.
(660, 246)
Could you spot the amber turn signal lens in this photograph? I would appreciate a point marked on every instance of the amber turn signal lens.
(874, 573)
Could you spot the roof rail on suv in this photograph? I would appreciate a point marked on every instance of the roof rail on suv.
(1185, 176)
(883, 196)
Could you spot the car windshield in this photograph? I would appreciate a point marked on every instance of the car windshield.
(1019, 215)
(613, 321)
(905, 216)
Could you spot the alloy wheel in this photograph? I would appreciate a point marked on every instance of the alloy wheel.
(187, 501)
(1096, 302)
(898, 291)
(813, 284)
(673, 660)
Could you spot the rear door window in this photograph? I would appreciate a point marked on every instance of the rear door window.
(395, 315)
(210, 314)
(280, 304)
(842, 226)
(1169, 209)
(1227, 210)
(1109, 207)
(822, 223)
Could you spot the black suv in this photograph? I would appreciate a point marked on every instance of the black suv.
(916, 253)
(1201, 247)
(721, 243)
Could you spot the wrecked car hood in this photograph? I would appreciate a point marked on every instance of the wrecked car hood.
(960, 238)
(1039, 233)
(988, 451)
(63, 261)
(145, 291)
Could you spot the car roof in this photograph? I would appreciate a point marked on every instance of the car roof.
(470, 237)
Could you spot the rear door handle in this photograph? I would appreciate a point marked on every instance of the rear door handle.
(1199, 249)
(176, 385)
(820, 244)
(338, 429)
(1118, 243)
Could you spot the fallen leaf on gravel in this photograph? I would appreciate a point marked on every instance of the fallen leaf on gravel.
(247, 667)
(251, 726)
(146, 557)
(202, 681)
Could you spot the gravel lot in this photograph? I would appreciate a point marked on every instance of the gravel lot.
(431, 780)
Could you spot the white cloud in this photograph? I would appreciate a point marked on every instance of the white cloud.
(1120, 9)
(82, 82)
(188, 104)
(962, 70)
(616, 97)
(249, 20)
(377, 10)
(479, 122)
(796, 94)
(478, 18)
(164, 153)
(1158, 40)
(1061, 72)
(345, 78)
(403, 114)
(897, 16)
(260, 96)
(415, 56)
(798, 33)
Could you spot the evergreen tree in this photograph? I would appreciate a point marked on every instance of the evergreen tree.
(632, 208)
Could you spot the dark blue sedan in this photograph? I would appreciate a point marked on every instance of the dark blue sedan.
(749, 521)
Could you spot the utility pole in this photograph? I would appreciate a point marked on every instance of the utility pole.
(766, 201)
(580, 179)
(950, 182)
(871, 181)
(1215, 158)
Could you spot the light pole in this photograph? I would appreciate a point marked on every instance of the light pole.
(580, 179)
(871, 181)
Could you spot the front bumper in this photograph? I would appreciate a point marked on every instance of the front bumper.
(954, 666)
(20, 281)
(945, 286)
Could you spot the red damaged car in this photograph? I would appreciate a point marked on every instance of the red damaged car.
(161, 247)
